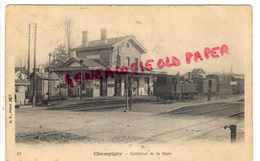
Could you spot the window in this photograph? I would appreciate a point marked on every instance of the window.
(127, 45)
(136, 62)
(20, 75)
(123, 44)
(87, 84)
(127, 59)
(118, 59)
(16, 89)
(118, 50)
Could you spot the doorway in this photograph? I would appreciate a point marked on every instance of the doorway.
(135, 86)
(118, 86)
(103, 87)
(146, 86)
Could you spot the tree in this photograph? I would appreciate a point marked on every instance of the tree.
(21, 62)
(59, 56)
(67, 24)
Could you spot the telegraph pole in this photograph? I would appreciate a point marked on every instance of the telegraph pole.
(81, 62)
(49, 79)
(28, 74)
(126, 85)
(130, 91)
(34, 69)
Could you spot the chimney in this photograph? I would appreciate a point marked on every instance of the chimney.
(104, 35)
(85, 38)
(189, 75)
(41, 69)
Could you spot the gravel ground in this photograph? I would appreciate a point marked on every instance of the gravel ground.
(140, 126)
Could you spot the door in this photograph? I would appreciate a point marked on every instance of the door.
(103, 87)
(118, 86)
(135, 86)
(19, 95)
(205, 86)
(210, 86)
(146, 86)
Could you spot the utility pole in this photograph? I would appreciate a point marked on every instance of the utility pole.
(81, 62)
(28, 74)
(93, 89)
(126, 85)
(34, 69)
(130, 89)
(49, 79)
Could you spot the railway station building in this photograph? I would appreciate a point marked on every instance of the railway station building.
(100, 55)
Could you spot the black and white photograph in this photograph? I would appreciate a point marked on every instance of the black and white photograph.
(128, 82)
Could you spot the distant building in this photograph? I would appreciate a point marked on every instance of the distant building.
(198, 73)
(20, 73)
(21, 85)
(42, 84)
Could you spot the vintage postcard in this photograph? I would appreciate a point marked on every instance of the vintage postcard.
(128, 83)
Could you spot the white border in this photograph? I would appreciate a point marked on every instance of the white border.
(256, 40)
(2, 84)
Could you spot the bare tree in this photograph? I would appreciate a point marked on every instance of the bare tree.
(19, 62)
(67, 24)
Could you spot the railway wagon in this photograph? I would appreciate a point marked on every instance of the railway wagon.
(206, 85)
(226, 84)
(173, 87)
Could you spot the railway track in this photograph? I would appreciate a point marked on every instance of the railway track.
(224, 109)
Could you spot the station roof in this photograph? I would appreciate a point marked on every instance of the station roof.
(21, 82)
(111, 43)
(44, 76)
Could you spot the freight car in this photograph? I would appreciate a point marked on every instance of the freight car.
(206, 85)
(226, 84)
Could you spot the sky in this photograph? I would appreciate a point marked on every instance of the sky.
(165, 31)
